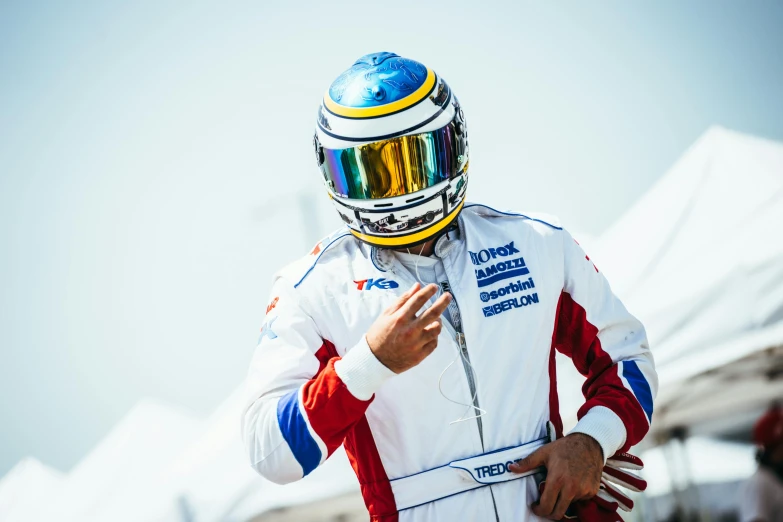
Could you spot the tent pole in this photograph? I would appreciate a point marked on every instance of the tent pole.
(669, 451)
(691, 488)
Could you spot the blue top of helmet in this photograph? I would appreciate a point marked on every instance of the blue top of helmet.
(377, 79)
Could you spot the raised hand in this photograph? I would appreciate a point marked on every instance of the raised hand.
(400, 339)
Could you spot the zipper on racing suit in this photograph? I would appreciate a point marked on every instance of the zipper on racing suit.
(456, 319)
(459, 337)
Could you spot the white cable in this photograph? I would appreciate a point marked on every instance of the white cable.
(460, 355)
(470, 406)
(416, 264)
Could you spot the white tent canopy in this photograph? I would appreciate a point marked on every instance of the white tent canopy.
(699, 259)
(102, 486)
(26, 490)
(160, 464)
(211, 480)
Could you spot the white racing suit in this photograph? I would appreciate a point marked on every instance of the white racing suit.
(524, 288)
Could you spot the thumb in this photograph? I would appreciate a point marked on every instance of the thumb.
(534, 460)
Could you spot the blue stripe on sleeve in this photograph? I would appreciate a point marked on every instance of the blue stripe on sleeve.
(640, 387)
(296, 434)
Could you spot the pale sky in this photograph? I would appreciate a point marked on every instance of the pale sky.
(155, 162)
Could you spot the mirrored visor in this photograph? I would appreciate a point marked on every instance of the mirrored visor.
(397, 166)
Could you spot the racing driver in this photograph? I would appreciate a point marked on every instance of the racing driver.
(421, 336)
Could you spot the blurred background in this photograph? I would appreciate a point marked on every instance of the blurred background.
(156, 168)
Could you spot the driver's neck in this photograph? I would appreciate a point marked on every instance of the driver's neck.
(425, 249)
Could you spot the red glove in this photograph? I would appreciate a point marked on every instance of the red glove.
(591, 511)
(603, 507)
(616, 474)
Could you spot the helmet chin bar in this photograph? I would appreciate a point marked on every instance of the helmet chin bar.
(405, 220)
(414, 239)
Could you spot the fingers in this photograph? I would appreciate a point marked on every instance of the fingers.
(606, 501)
(415, 302)
(554, 501)
(430, 347)
(563, 501)
(430, 335)
(625, 461)
(435, 311)
(531, 462)
(610, 494)
(433, 328)
(403, 298)
(625, 479)
(546, 504)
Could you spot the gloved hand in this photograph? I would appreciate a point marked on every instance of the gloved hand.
(603, 507)
(616, 472)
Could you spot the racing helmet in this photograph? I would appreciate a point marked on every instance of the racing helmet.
(392, 146)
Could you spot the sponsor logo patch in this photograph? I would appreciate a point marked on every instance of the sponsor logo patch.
(382, 283)
(445, 287)
(494, 268)
(266, 330)
(500, 271)
(483, 256)
(493, 470)
(508, 304)
(512, 288)
(272, 304)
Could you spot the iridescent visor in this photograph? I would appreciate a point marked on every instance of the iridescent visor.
(397, 166)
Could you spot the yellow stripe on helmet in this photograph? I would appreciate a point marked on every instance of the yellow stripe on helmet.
(382, 110)
(396, 241)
